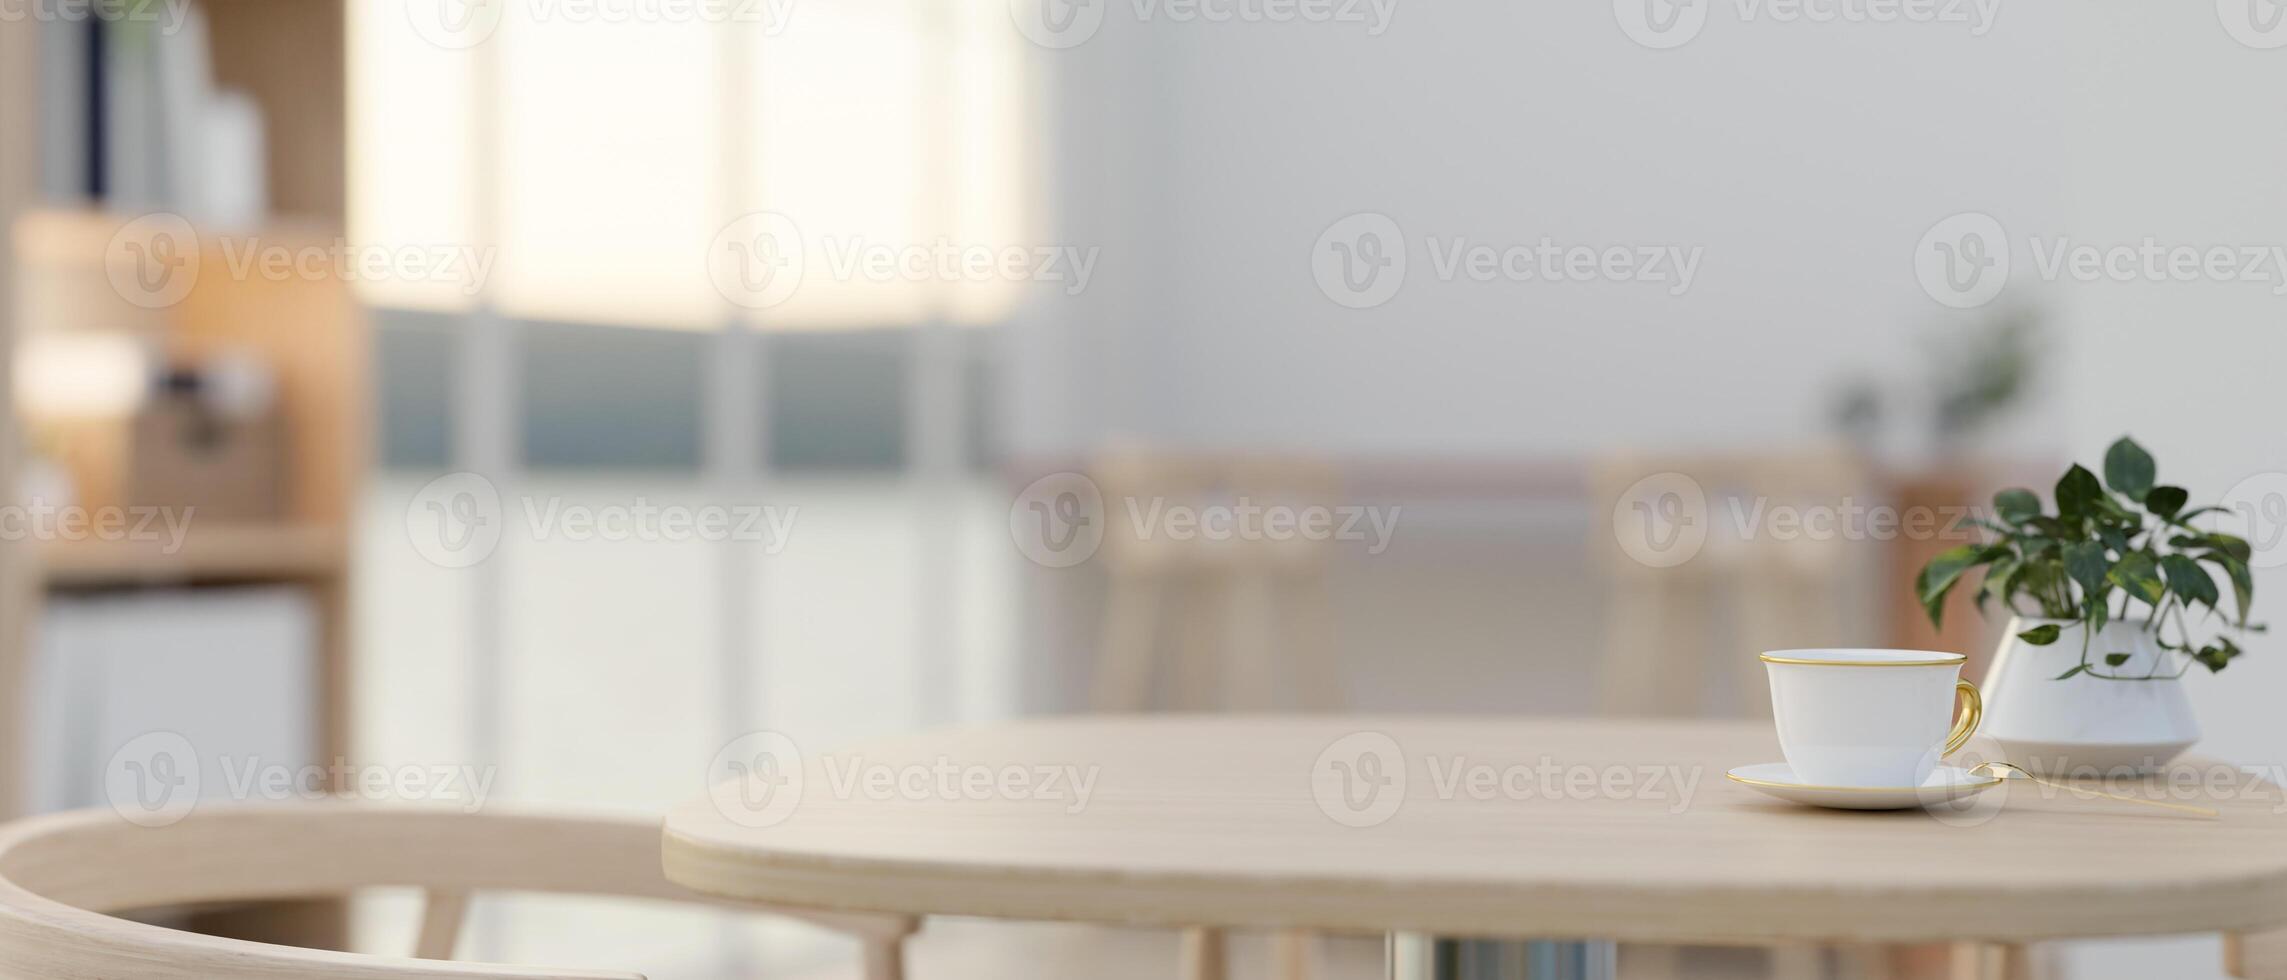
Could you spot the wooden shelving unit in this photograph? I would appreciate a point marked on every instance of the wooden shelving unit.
(312, 336)
(288, 55)
(214, 555)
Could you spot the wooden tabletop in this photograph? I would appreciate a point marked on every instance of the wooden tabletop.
(1497, 828)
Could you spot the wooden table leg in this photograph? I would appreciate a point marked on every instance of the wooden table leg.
(2256, 955)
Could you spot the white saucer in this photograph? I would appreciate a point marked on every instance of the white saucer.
(1945, 783)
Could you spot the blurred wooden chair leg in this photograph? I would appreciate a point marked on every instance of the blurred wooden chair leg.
(2256, 955)
(1655, 662)
(1992, 961)
(1798, 963)
(883, 959)
(1772, 617)
(443, 914)
(1256, 680)
(1200, 674)
(1634, 651)
(1647, 961)
(1294, 955)
(1320, 682)
(1124, 660)
(1863, 961)
(1203, 954)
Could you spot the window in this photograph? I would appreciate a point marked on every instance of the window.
(592, 159)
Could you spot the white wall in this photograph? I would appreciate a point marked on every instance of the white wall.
(1807, 159)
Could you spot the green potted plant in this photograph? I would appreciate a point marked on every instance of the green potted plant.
(2113, 596)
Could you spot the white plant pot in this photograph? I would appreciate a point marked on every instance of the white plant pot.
(2086, 723)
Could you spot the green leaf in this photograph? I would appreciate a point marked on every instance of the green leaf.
(2077, 668)
(2232, 545)
(2217, 655)
(1938, 577)
(2085, 562)
(2077, 494)
(2042, 635)
(2189, 581)
(1996, 581)
(2128, 469)
(2016, 505)
(2139, 576)
(2115, 659)
(2164, 502)
(2242, 581)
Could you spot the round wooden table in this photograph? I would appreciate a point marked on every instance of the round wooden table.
(1473, 829)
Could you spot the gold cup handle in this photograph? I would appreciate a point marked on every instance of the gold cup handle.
(1972, 712)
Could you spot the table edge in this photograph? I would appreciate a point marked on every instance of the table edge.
(1636, 912)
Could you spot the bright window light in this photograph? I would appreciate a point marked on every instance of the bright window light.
(624, 145)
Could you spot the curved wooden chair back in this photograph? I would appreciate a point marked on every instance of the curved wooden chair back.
(62, 876)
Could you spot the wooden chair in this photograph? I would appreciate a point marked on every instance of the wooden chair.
(1248, 619)
(1677, 630)
(61, 875)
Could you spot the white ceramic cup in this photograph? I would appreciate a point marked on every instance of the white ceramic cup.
(1875, 718)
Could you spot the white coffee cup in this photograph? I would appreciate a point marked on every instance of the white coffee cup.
(1869, 718)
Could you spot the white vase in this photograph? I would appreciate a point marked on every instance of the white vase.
(2086, 725)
